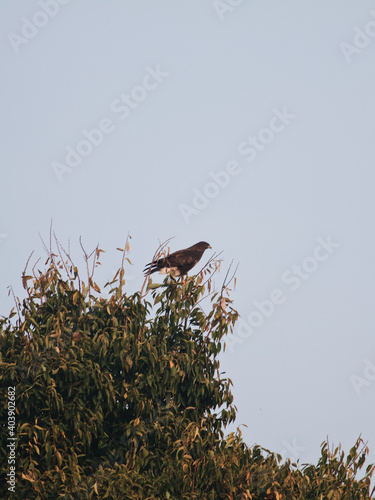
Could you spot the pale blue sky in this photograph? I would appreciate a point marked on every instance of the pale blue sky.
(183, 91)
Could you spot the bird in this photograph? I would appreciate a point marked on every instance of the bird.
(178, 263)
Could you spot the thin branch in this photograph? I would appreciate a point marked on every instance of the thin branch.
(96, 254)
(155, 258)
(87, 266)
(208, 294)
(67, 253)
(60, 254)
(122, 269)
(44, 245)
(223, 288)
(50, 242)
(17, 304)
(24, 283)
(126, 249)
(213, 258)
(68, 256)
(213, 272)
(225, 283)
(33, 269)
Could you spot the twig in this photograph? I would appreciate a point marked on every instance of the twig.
(24, 283)
(87, 266)
(213, 258)
(225, 283)
(44, 245)
(122, 270)
(51, 254)
(126, 249)
(156, 257)
(96, 256)
(17, 304)
(60, 254)
(223, 288)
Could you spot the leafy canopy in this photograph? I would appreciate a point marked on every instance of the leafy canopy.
(121, 397)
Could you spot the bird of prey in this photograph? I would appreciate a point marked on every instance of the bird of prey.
(178, 263)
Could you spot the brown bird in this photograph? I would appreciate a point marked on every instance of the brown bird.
(178, 263)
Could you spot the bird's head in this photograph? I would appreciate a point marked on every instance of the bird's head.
(203, 245)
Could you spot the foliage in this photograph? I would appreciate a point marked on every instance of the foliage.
(121, 398)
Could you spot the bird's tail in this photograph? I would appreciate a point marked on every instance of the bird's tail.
(150, 268)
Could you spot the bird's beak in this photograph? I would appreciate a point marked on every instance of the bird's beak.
(209, 246)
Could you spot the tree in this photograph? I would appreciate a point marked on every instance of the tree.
(121, 397)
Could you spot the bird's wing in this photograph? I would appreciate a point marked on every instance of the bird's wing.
(180, 258)
(175, 259)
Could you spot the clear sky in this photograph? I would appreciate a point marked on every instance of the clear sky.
(249, 125)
